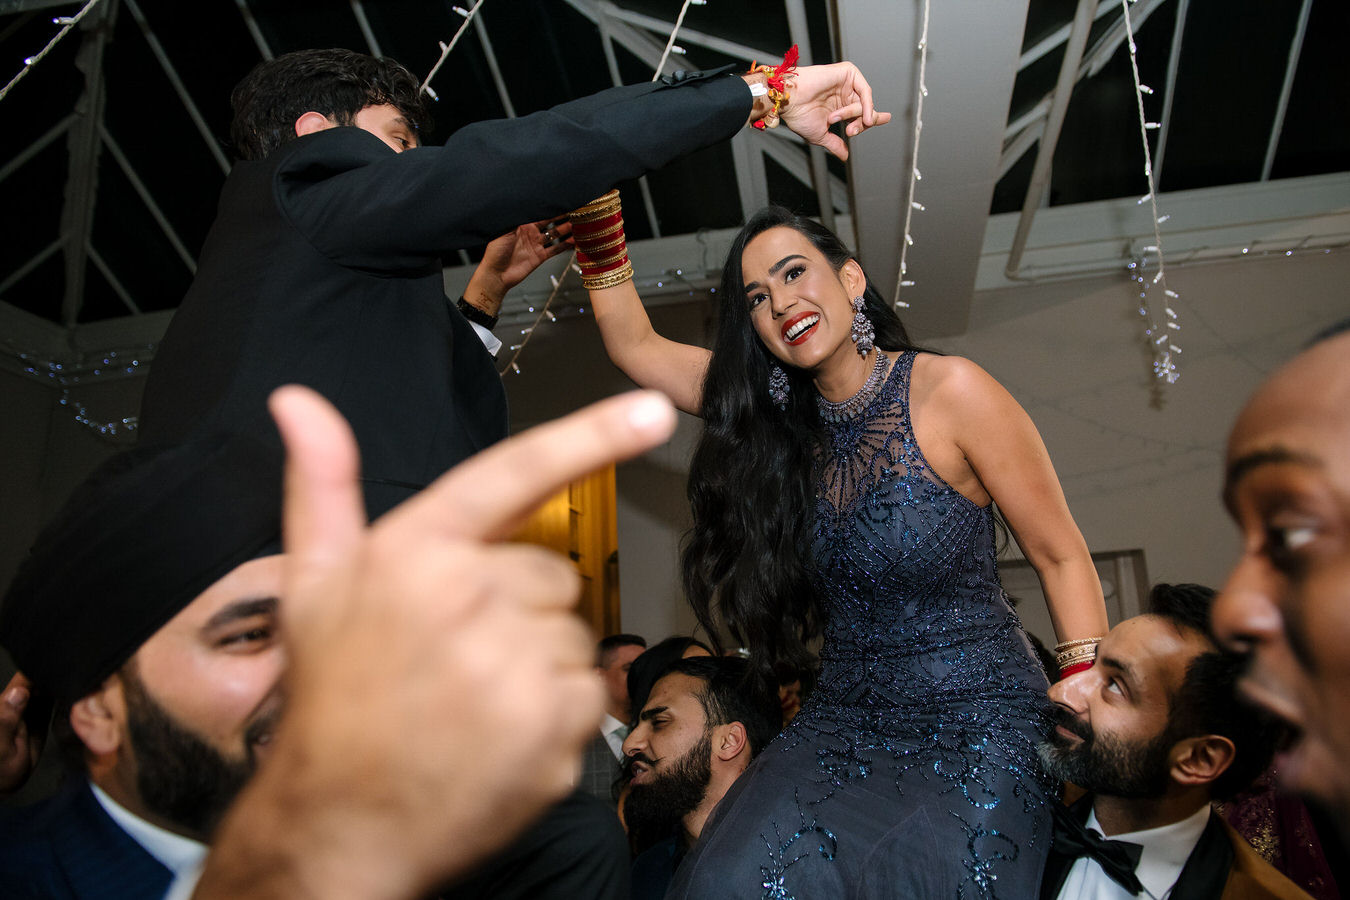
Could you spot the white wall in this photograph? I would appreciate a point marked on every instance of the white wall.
(1141, 464)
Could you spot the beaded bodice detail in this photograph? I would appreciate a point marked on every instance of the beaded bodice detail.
(906, 565)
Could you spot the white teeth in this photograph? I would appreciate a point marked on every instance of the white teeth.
(796, 330)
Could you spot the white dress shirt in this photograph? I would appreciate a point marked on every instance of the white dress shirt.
(614, 732)
(1165, 852)
(490, 340)
(180, 855)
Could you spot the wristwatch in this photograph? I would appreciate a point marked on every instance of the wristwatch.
(476, 315)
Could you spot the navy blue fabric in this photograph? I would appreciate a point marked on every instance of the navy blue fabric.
(911, 771)
(67, 848)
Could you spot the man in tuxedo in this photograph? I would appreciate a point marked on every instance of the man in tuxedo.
(149, 611)
(614, 654)
(704, 721)
(323, 266)
(1155, 731)
(1287, 601)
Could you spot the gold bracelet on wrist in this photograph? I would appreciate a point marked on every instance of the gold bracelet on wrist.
(608, 279)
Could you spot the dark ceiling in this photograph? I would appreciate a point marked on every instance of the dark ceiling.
(1228, 85)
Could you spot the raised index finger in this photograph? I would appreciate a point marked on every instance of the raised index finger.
(487, 496)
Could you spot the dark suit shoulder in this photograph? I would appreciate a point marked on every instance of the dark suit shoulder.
(1252, 878)
(68, 848)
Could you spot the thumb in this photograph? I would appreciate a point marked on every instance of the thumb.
(323, 513)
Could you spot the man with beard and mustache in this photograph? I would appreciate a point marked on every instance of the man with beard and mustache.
(148, 612)
(706, 718)
(1155, 731)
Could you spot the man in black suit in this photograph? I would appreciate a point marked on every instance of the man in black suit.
(324, 264)
(1155, 731)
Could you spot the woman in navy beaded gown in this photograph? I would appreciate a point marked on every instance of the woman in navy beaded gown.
(844, 491)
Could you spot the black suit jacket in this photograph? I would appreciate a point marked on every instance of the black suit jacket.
(323, 268)
(67, 848)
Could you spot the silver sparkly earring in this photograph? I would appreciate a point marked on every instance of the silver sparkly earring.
(863, 333)
(778, 386)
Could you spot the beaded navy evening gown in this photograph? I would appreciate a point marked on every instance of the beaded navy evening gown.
(911, 771)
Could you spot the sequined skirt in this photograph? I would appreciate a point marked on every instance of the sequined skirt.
(858, 801)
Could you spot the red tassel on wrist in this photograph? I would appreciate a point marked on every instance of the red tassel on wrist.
(777, 83)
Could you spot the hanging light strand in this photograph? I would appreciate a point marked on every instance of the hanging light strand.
(1159, 331)
(902, 280)
(67, 23)
(467, 15)
(100, 366)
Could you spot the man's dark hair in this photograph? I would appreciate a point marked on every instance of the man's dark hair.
(607, 645)
(1207, 701)
(733, 692)
(336, 83)
(652, 664)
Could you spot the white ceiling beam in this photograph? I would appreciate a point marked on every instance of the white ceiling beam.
(687, 35)
(1059, 36)
(973, 49)
(1290, 69)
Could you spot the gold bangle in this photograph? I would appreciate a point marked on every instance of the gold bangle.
(607, 231)
(1068, 658)
(599, 262)
(619, 241)
(609, 279)
(605, 205)
(1065, 645)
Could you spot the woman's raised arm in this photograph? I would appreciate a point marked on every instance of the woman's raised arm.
(652, 361)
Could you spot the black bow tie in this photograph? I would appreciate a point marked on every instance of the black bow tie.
(1118, 859)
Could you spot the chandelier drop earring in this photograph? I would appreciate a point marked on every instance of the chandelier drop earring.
(778, 386)
(863, 332)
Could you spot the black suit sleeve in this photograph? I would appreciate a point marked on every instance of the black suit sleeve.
(367, 207)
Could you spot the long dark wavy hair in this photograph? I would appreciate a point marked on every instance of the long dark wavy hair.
(752, 477)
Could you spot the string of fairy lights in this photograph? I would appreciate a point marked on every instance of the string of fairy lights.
(1159, 331)
(67, 23)
(915, 176)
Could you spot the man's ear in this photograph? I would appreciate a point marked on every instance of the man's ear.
(730, 740)
(1200, 760)
(311, 122)
(99, 719)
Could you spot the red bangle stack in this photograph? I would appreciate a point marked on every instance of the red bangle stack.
(1075, 669)
(602, 249)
